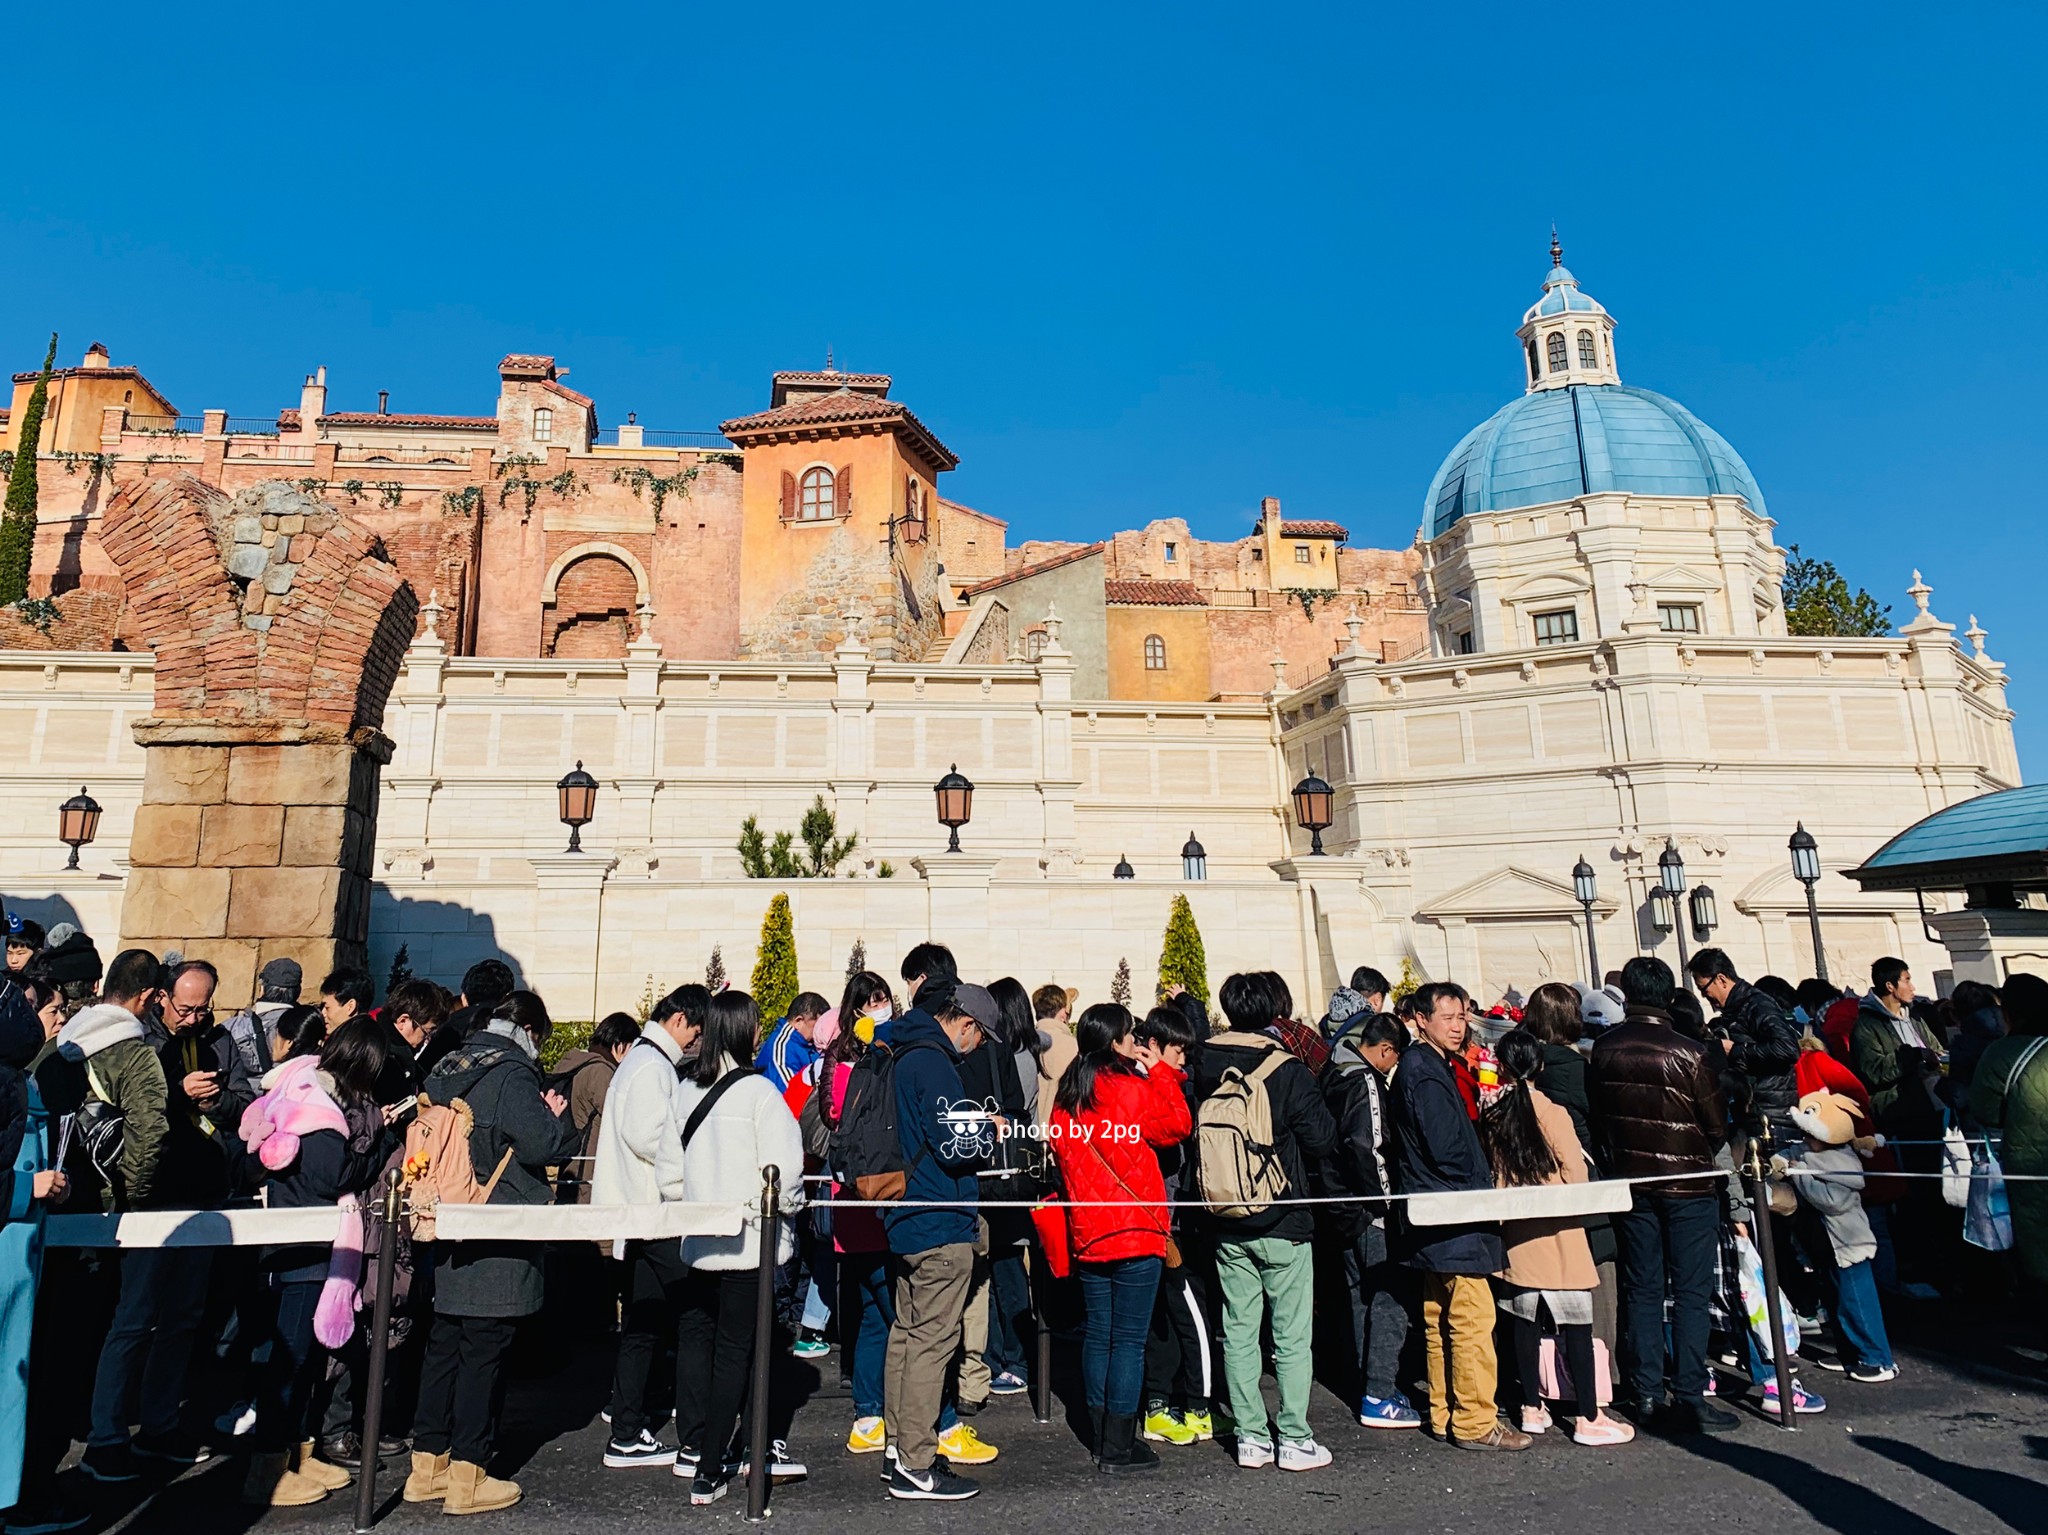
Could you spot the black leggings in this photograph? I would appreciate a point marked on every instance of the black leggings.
(1576, 1339)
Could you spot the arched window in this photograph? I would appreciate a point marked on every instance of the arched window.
(1589, 355)
(1557, 351)
(1034, 644)
(814, 499)
(543, 424)
(1535, 372)
(1155, 653)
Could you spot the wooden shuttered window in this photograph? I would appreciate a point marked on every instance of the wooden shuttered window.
(788, 496)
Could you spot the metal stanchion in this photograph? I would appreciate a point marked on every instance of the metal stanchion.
(1767, 1249)
(1041, 1387)
(380, 1330)
(764, 1350)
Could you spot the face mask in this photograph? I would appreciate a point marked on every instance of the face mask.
(880, 1012)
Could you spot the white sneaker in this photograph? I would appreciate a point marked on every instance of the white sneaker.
(238, 1421)
(1303, 1455)
(1252, 1454)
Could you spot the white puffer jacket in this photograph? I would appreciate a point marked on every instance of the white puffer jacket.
(749, 1128)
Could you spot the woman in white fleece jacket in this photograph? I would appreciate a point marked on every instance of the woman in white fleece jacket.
(734, 1124)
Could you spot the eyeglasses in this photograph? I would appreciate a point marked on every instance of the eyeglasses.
(193, 1014)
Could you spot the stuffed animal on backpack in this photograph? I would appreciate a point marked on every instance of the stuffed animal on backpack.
(298, 1099)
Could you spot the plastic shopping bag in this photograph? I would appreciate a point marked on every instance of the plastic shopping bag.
(1955, 1168)
(1987, 1218)
(1750, 1270)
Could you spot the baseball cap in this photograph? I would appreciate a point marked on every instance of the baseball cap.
(282, 974)
(978, 1004)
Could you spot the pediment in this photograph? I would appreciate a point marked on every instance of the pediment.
(1509, 892)
(1682, 578)
(1778, 891)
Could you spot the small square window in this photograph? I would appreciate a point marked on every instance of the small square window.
(1559, 628)
(1678, 617)
(1258, 556)
(1464, 640)
(1172, 552)
(1301, 554)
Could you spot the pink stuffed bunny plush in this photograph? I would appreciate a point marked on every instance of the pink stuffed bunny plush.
(298, 1099)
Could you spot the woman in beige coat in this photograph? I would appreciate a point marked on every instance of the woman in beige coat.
(1531, 1142)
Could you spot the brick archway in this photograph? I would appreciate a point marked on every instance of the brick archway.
(591, 596)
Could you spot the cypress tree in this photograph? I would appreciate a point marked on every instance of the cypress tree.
(1120, 984)
(18, 523)
(1181, 960)
(714, 972)
(775, 983)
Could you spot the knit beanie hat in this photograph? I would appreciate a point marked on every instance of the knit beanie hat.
(73, 959)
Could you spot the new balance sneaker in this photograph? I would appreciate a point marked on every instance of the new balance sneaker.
(1254, 1453)
(1873, 1374)
(237, 1421)
(1165, 1426)
(867, 1436)
(1008, 1383)
(644, 1451)
(936, 1483)
(1303, 1455)
(962, 1444)
(810, 1344)
(1200, 1424)
(1803, 1401)
(1388, 1412)
(708, 1488)
(1832, 1362)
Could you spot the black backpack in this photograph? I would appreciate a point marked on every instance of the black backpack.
(866, 1148)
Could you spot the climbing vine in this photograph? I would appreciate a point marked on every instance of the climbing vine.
(392, 492)
(638, 478)
(461, 503)
(312, 485)
(353, 489)
(1307, 596)
(94, 464)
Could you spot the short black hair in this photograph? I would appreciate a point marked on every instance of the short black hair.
(1885, 973)
(1709, 963)
(1281, 995)
(1165, 1025)
(1368, 982)
(808, 1004)
(1247, 1001)
(614, 1031)
(133, 972)
(349, 984)
(30, 936)
(1382, 1029)
(487, 983)
(689, 999)
(1778, 989)
(1647, 982)
(930, 960)
(1817, 996)
(1427, 997)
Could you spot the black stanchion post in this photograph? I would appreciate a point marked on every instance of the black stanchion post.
(764, 1349)
(1767, 1249)
(380, 1330)
(1041, 1386)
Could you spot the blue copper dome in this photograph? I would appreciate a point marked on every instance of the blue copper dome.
(1554, 444)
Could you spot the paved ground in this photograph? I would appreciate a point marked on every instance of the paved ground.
(1958, 1444)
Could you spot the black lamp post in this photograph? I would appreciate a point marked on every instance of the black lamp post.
(956, 804)
(1705, 915)
(78, 822)
(1312, 802)
(1194, 859)
(1671, 880)
(577, 793)
(1806, 869)
(1123, 870)
(1586, 887)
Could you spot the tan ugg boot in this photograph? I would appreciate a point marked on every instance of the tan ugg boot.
(320, 1472)
(472, 1492)
(271, 1483)
(429, 1480)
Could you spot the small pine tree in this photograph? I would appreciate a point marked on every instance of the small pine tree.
(1120, 987)
(775, 981)
(857, 961)
(18, 522)
(401, 970)
(1408, 985)
(714, 972)
(819, 832)
(1819, 602)
(1181, 960)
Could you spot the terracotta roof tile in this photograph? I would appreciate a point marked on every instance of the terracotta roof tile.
(1315, 530)
(836, 380)
(526, 365)
(1040, 568)
(288, 420)
(562, 389)
(362, 418)
(842, 408)
(1154, 594)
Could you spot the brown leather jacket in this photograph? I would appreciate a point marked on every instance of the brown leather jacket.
(1656, 1104)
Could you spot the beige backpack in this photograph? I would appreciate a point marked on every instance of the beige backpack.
(438, 1170)
(1241, 1171)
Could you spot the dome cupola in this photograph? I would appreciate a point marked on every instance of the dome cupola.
(1567, 338)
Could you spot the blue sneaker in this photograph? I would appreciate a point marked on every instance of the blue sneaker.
(1388, 1412)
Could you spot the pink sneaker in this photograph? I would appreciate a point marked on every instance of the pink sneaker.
(1535, 1419)
(1602, 1430)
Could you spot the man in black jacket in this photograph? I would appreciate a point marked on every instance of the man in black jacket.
(1760, 1038)
(1440, 1153)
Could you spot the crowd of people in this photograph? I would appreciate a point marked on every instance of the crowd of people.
(1197, 1199)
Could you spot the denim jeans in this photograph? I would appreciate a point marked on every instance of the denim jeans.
(149, 1342)
(1860, 1315)
(1119, 1297)
(1668, 1241)
(288, 1374)
(874, 1286)
(1383, 1305)
(1009, 1299)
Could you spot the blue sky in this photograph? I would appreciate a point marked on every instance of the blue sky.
(1127, 261)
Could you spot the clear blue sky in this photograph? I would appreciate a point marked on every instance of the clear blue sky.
(1127, 261)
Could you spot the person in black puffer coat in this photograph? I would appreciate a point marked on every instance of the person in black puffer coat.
(1760, 1038)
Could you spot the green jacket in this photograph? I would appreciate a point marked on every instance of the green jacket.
(1874, 1056)
(119, 1067)
(2003, 1097)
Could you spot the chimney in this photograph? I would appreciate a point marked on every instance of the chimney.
(96, 356)
(383, 402)
(312, 402)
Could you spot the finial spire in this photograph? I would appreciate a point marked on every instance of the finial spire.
(1556, 247)
(828, 358)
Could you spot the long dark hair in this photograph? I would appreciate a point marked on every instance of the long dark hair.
(1018, 1024)
(1553, 1014)
(1513, 1136)
(863, 989)
(525, 1010)
(356, 1055)
(1097, 1032)
(731, 1024)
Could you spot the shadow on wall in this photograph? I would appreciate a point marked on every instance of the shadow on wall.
(52, 909)
(442, 938)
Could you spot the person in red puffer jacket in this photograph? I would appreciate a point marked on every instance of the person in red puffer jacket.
(1115, 1103)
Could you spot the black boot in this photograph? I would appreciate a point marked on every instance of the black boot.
(1122, 1450)
(1095, 1446)
(1142, 1457)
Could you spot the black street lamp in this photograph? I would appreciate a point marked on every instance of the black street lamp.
(1806, 869)
(78, 822)
(1671, 881)
(1705, 915)
(577, 793)
(956, 804)
(1123, 870)
(1585, 886)
(1194, 859)
(1312, 803)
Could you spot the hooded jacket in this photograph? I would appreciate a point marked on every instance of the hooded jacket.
(639, 1157)
(1763, 1045)
(1657, 1104)
(1439, 1152)
(940, 1155)
(1303, 1131)
(123, 1071)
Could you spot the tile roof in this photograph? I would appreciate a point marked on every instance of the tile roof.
(1334, 530)
(526, 365)
(562, 389)
(843, 408)
(836, 380)
(361, 418)
(1038, 569)
(288, 420)
(1154, 594)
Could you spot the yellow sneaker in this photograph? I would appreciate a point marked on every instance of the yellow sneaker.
(1168, 1427)
(964, 1447)
(1200, 1424)
(869, 1435)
